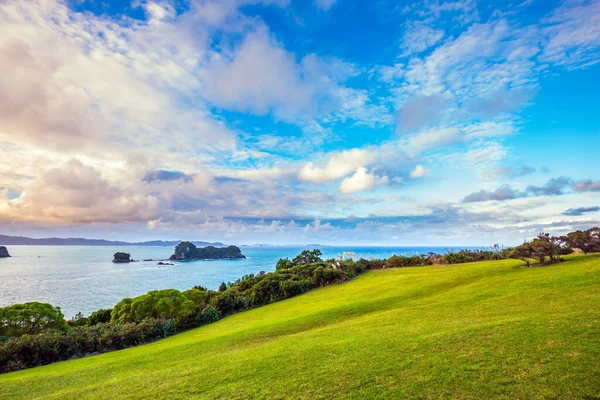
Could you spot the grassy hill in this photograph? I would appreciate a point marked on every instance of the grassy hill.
(489, 329)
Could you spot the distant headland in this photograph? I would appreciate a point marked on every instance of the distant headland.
(20, 240)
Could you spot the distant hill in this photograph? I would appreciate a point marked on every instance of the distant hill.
(20, 240)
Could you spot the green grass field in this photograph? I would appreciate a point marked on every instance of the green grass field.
(483, 330)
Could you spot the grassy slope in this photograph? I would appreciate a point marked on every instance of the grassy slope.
(480, 330)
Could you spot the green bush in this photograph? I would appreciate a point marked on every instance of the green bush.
(33, 350)
(157, 304)
(208, 315)
(166, 327)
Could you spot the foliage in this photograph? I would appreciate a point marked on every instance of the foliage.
(157, 304)
(208, 315)
(189, 251)
(283, 263)
(538, 249)
(100, 316)
(588, 241)
(165, 327)
(32, 350)
(305, 257)
(222, 287)
(30, 318)
(78, 320)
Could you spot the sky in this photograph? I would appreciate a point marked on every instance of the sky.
(432, 122)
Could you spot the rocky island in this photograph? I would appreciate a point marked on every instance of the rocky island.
(4, 252)
(188, 251)
(121, 258)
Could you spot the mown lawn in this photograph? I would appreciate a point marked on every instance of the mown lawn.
(483, 330)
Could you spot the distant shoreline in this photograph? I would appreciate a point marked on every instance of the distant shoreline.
(26, 241)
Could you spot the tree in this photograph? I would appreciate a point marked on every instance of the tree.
(594, 239)
(222, 287)
(523, 252)
(587, 241)
(283, 263)
(307, 257)
(100, 316)
(579, 240)
(542, 248)
(30, 319)
(78, 320)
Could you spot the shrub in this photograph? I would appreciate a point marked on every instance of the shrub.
(166, 327)
(157, 304)
(208, 315)
(33, 350)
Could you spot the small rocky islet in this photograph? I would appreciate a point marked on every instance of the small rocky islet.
(187, 251)
(4, 252)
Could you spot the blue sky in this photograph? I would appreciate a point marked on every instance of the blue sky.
(455, 122)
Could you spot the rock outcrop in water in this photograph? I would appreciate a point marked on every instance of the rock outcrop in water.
(4, 252)
(122, 258)
(188, 251)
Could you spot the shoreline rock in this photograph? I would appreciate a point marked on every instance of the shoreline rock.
(4, 252)
(122, 258)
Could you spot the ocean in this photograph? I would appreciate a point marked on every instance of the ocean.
(84, 279)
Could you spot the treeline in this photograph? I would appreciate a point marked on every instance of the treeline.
(35, 334)
(547, 249)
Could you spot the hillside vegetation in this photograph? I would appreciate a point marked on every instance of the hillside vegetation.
(480, 330)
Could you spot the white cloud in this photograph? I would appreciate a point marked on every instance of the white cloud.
(433, 138)
(339, 165)
(571, 35)
(418, 172)
(419, 37)
(361, 180)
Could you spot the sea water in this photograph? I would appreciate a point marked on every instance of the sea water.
(84, 279)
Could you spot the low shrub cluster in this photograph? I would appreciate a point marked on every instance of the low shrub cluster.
(33, 350)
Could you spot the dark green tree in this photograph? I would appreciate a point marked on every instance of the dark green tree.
(523, 252)
(222, 287)
(100, 316)
(308, 257)
(283, 263)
